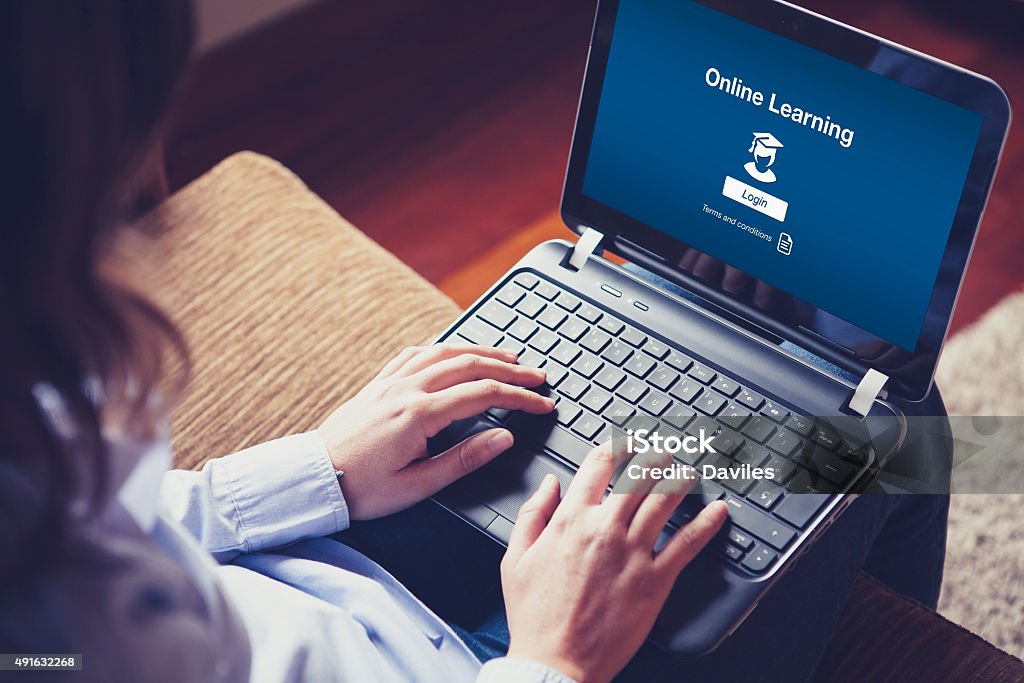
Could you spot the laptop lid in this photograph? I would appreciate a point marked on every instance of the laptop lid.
(814, 181)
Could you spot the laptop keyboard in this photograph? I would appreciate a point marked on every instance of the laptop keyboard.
(606, 374)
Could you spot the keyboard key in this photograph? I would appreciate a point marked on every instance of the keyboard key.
(510, 344)
(632, 390)
(617, 353)
(750, 399)
(759, 429)
(566, 412)
(740, 539)
(759, 559)
(639, 365)
(522, 329)
(555, 374)
(567, 301)
(532, 359)
(734, 415)
(596, 400)
(552, 317)
(686, 391)
(531, 306)
(828, 465)
(618, 412)
(679, 361)
(633, 336)
(702, 373)
(733, 553)
(478, 332)
(751, 454)
(799, 509)
(762, 526)
(801, 425)
(775, 411)
(727, 442)
(656, 348)
(589, 313)
(596, 340)
(573, 329)
(663, 378)
(610, 325)
(587, 364)
(610, 377)
(784, 442)
(678, 418)
(510, 294)
(641, 421)
(740, 486)
(565, 353)
(573, 387)
(827, 438)
(783, 469)
(726, 386)
(588, 426)
(805, 482)
(547, 290)
(544, 341)
(527, 280)
(765, 494)
(655, 403)
(709, 402)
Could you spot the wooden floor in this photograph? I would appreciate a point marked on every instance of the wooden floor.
(441, 127)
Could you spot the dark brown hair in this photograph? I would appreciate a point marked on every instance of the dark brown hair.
(85, 87)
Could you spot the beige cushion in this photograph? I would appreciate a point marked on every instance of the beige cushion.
(287, 308)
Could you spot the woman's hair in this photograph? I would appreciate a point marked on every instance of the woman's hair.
(85, 89)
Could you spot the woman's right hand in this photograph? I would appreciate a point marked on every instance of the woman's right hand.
(581, 581)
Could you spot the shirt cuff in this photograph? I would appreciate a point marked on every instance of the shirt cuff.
(509, 670)
(284, 491)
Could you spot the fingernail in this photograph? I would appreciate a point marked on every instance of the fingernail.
(551, 403)
(502, 441)
(549, 481)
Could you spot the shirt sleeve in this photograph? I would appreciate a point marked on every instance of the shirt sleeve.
(511, 670)
(262, 497)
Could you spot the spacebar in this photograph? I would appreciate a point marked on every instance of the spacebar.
(529, 429)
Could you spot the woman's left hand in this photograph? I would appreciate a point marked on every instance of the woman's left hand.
(379, 437)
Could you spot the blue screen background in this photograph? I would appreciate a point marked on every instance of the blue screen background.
(869, 223)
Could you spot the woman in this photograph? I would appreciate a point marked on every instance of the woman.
(103, 552)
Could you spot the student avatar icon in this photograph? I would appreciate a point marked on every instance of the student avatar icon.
(764, 147)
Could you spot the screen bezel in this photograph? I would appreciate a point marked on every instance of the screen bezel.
(910, 373)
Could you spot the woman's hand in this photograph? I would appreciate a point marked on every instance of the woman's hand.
(581, 581)
(379, 437)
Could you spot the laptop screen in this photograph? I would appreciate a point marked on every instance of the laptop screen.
(822, 180)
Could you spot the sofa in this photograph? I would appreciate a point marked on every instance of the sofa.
(288, 310)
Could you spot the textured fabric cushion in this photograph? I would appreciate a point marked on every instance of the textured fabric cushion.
(288, 309)
(883, 637)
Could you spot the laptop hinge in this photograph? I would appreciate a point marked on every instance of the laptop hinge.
(588, 243)
(871, 387)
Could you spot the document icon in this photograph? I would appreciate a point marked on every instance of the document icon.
(785, 244)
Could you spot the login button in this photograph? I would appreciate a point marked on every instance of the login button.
(758, 200)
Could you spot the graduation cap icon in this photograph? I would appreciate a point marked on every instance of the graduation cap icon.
(764, 148)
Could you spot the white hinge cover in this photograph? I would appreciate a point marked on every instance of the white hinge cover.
(867, 391)
(583, 248)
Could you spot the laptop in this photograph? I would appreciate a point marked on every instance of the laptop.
(797, 201)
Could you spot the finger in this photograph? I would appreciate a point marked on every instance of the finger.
(431, 355)
(629, 493)
(688, 541)
(657, 507)
(472, 398)
(427, 477)
(469, 367)
(594, 475)
(533, 518)
(398, 361)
